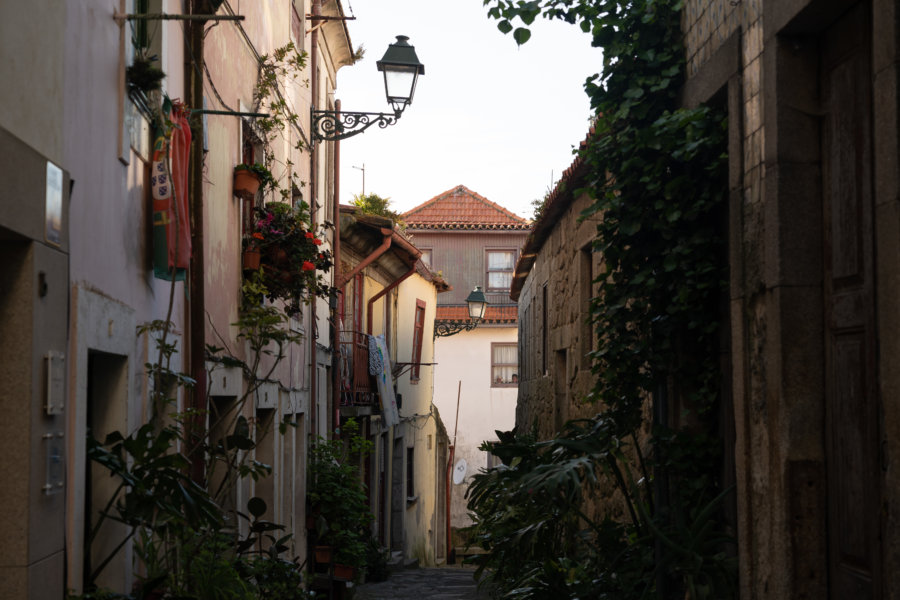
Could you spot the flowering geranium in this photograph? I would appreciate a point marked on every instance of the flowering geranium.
(292, 262)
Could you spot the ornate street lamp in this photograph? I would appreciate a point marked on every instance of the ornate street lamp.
(477, 304)
(401, 68)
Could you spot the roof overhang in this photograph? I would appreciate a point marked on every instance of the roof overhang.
(364, 234)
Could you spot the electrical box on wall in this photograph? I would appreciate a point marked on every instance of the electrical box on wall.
(54, 392)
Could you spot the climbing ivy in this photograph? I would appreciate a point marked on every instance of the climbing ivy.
(657, 175)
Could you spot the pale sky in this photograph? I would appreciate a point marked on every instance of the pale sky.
(497, 118)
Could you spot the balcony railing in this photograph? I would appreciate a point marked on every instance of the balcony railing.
(498, 299)
(357, 386)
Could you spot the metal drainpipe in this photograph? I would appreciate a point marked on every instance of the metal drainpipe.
(371, 303)
(313, 368)
(196, 310)
(336, 248)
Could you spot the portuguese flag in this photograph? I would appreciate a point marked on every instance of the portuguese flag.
(169, 182)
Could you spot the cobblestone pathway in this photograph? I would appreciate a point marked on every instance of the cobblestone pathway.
(445, 583)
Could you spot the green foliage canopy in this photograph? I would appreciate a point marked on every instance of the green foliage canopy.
(657, 175)
(373, 204)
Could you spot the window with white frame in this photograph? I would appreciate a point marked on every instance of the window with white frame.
(500, 266)
(504, 365)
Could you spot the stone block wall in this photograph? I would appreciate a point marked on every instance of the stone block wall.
(765, 60)
(552, 388)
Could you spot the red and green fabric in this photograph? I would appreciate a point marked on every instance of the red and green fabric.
(169, 183)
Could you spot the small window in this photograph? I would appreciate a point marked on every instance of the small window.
(418, 333)
(504, 366)
(426, 257)
(500, 266)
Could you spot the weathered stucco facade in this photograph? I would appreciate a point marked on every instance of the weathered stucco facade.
(77, 279)
(387, 291)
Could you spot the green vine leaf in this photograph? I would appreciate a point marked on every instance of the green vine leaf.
(521, 35)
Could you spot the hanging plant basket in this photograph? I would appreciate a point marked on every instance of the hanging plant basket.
(246, 183)
(251, 259)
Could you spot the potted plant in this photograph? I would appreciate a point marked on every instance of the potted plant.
(336, 494)
(142, 75)
(249, 178)
(252, 255)
(291, 254)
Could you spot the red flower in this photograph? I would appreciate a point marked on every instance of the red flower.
(258, 235)
(308, 266)
(310, 234)
(317, 241)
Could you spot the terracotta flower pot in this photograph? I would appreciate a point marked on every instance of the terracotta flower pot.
(251, 260)
(323, 554)
(246, 184)
(344, 572)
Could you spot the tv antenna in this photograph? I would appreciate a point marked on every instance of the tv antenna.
(363, 169)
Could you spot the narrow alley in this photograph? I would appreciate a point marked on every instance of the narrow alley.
(446, 583)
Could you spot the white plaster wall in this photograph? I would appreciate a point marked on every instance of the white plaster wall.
(419, 423)
(465, 359)
(416, 395)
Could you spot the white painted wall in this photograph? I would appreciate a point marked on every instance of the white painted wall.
(466, 358)
(419, 427)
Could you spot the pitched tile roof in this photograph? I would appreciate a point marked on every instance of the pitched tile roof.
(461, 208)
(493, 314)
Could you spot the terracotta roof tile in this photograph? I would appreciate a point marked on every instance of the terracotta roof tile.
(493, 314)
(461, 208)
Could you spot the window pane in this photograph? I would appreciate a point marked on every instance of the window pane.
(500, 280)
(501, 260)
(504, 364)
(426, 258)
(504, 354)
(506, 374)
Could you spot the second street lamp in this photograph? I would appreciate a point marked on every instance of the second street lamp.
(401, 68)
(477, 305)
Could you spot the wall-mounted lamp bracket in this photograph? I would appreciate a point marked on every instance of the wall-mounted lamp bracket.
(330, 125)
(448, 328)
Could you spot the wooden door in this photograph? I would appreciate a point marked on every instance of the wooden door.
(851, 388)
